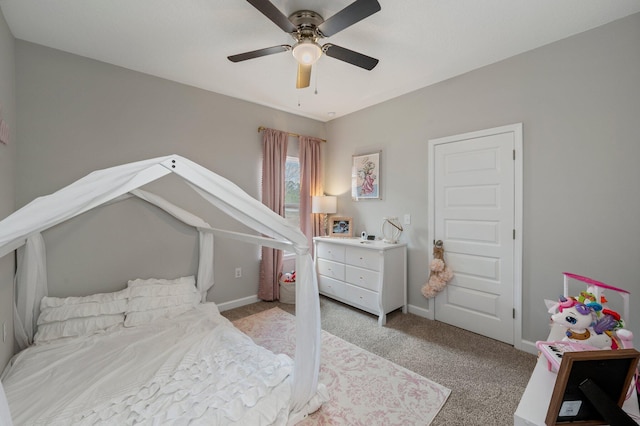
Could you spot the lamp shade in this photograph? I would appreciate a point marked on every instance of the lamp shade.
(324, 204)
(306, 52)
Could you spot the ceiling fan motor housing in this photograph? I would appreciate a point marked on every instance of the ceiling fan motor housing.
(306, 19)
(307, 22)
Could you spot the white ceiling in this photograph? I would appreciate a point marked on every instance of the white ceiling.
(418, 42)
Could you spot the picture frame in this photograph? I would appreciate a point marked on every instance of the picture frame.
(341, 226)
(582, 379)
(366, 177)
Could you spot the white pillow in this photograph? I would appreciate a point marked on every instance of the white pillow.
(52, 302)
(82, 310)
(140, 304)
(75, 327)
(161, 281)
(152, 299)
(137, 318)
(162, 290)
(80, 316)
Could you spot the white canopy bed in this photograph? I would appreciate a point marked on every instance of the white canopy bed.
(113, 363)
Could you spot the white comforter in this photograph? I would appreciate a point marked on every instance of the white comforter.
(194, 369)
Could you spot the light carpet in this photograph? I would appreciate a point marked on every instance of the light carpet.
(364, 388)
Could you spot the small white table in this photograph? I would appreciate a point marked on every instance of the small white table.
(534, 404)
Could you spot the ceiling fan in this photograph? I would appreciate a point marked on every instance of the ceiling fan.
(307, 27)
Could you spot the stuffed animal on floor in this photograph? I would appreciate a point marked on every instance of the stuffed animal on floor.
(439, 276)
(589, 324)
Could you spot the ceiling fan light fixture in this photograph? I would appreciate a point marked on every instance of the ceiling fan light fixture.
(307, 28)
(307, 52)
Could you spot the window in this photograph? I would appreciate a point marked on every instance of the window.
(292, 191)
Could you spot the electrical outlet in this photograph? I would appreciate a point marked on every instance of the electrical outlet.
(407, 219)
(238, 272)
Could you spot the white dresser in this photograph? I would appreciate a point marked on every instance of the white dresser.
(370, 275)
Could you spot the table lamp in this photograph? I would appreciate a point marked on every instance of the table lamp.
(325, 205)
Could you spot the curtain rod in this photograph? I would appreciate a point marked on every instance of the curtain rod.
(261, 128)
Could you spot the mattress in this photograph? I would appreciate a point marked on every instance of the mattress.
(195, 369)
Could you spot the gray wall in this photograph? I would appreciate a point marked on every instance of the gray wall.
(579, 102)
(578, 99)
(7, 166)
(77, 115)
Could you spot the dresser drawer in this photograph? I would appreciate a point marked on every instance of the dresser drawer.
(366, 299)
(331, 287)
(363, 258)
(331, 269)
(330, 252)
(362, 277)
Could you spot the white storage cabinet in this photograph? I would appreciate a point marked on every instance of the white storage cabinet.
(369, 275)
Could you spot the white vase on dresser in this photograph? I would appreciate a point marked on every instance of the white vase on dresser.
(369, 275)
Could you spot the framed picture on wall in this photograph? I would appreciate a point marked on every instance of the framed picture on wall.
(340, 226)
(365, 177)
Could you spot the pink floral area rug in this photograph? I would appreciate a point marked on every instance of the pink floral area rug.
(364, 388)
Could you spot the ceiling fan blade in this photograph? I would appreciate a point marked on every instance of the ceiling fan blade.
(304, 76)
(355, 12)
(346, 55)
(273, 13)
(260, 52)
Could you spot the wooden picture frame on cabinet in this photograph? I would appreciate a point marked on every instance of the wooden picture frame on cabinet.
(340, 226)
(592, 385)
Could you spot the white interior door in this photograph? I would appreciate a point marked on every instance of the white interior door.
(474, 214)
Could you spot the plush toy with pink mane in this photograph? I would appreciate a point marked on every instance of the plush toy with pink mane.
(588, 323)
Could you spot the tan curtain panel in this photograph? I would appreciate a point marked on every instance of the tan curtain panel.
(310, 185)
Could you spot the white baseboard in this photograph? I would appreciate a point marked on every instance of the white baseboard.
(225, 306)
(525, 345)
(421, 312)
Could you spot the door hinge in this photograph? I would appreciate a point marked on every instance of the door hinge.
(514, 313)
(514, 234)
(514, 154)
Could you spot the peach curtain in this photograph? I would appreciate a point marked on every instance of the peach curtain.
(310, 185)
(274, 157)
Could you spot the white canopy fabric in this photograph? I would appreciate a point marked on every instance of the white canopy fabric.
(25, 225)
(5, 415)
(31, 287)
(31, 276)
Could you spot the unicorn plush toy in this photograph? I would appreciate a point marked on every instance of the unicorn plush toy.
(588, 323)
